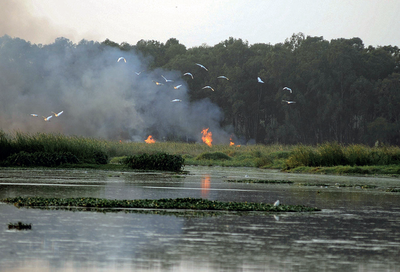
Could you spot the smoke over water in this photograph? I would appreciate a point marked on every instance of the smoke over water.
(99, 96)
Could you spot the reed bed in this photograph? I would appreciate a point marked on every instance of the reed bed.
(334, 154)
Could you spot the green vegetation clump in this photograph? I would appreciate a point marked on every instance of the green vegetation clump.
(159, 161)
(178, 203)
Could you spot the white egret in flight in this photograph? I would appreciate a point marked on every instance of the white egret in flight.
(121, 58)
(47, 118)
(176, 100)
(57, 114)
(34, 115)
(167, 80)
(208, 87)
(259, 80)
(289, 102)
(287, 89)
(138, 73)
(224, 77)
(276, 203)
(188, 74)
(177, 87)
(202, 66)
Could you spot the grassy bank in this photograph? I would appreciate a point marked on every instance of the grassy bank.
(330, 158)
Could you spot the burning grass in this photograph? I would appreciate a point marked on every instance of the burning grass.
(177, 203)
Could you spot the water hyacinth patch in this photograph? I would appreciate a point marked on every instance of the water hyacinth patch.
(177, 203)
(260, 181)
(19, 226)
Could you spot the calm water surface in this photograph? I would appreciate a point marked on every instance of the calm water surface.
(357, 229)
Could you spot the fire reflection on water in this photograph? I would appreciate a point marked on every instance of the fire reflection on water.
(205, 186)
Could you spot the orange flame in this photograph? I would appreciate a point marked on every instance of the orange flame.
(150, 140)
(207, 137)
(231, 143)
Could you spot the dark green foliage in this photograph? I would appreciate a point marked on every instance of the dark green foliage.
(178, 203)
(47, 159)
(159, 161)
(100, 157)
(213, 156)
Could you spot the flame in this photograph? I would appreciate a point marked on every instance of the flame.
(205, 186)
(207, 137)
(231, 143)
(150, 140)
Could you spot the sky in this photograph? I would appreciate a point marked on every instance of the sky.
(195, 23)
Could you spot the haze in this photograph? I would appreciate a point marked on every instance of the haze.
(195, 23)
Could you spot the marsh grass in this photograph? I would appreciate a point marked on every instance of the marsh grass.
(334, 154)
(86, 150)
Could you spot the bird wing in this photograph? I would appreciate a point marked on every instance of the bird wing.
(188, 74)
(202, 66)
(224, 77)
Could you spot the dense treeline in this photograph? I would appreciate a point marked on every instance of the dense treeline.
(344, 91)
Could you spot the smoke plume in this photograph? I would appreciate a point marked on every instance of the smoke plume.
(99, 96)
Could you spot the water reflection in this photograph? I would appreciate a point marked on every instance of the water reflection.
(358, 230)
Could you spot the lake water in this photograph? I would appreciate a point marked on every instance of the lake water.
(357, 229)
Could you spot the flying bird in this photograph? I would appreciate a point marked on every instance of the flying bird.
(289, 102)
(208, 87)
(57, 114)
(176, 100)
(167, 80)
(47, 118)
(188, 74)
(259, 80)
(287, 89)
(121, 58)
(138, 73)
(157, 83)
(34, 114)
(224, 77)
(177, 87)
(276, 203)
(202, 66)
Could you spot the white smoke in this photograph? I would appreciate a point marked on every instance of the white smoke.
(100, 97)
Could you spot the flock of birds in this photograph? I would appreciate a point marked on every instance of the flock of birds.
(205, 87)
(47, 119)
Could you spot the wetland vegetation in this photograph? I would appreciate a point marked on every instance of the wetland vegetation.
(177, 203)
(57, 150)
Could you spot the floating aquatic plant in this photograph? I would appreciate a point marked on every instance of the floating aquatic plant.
(177, 203)
(259, 181)
(393, 190)
(19, 226)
